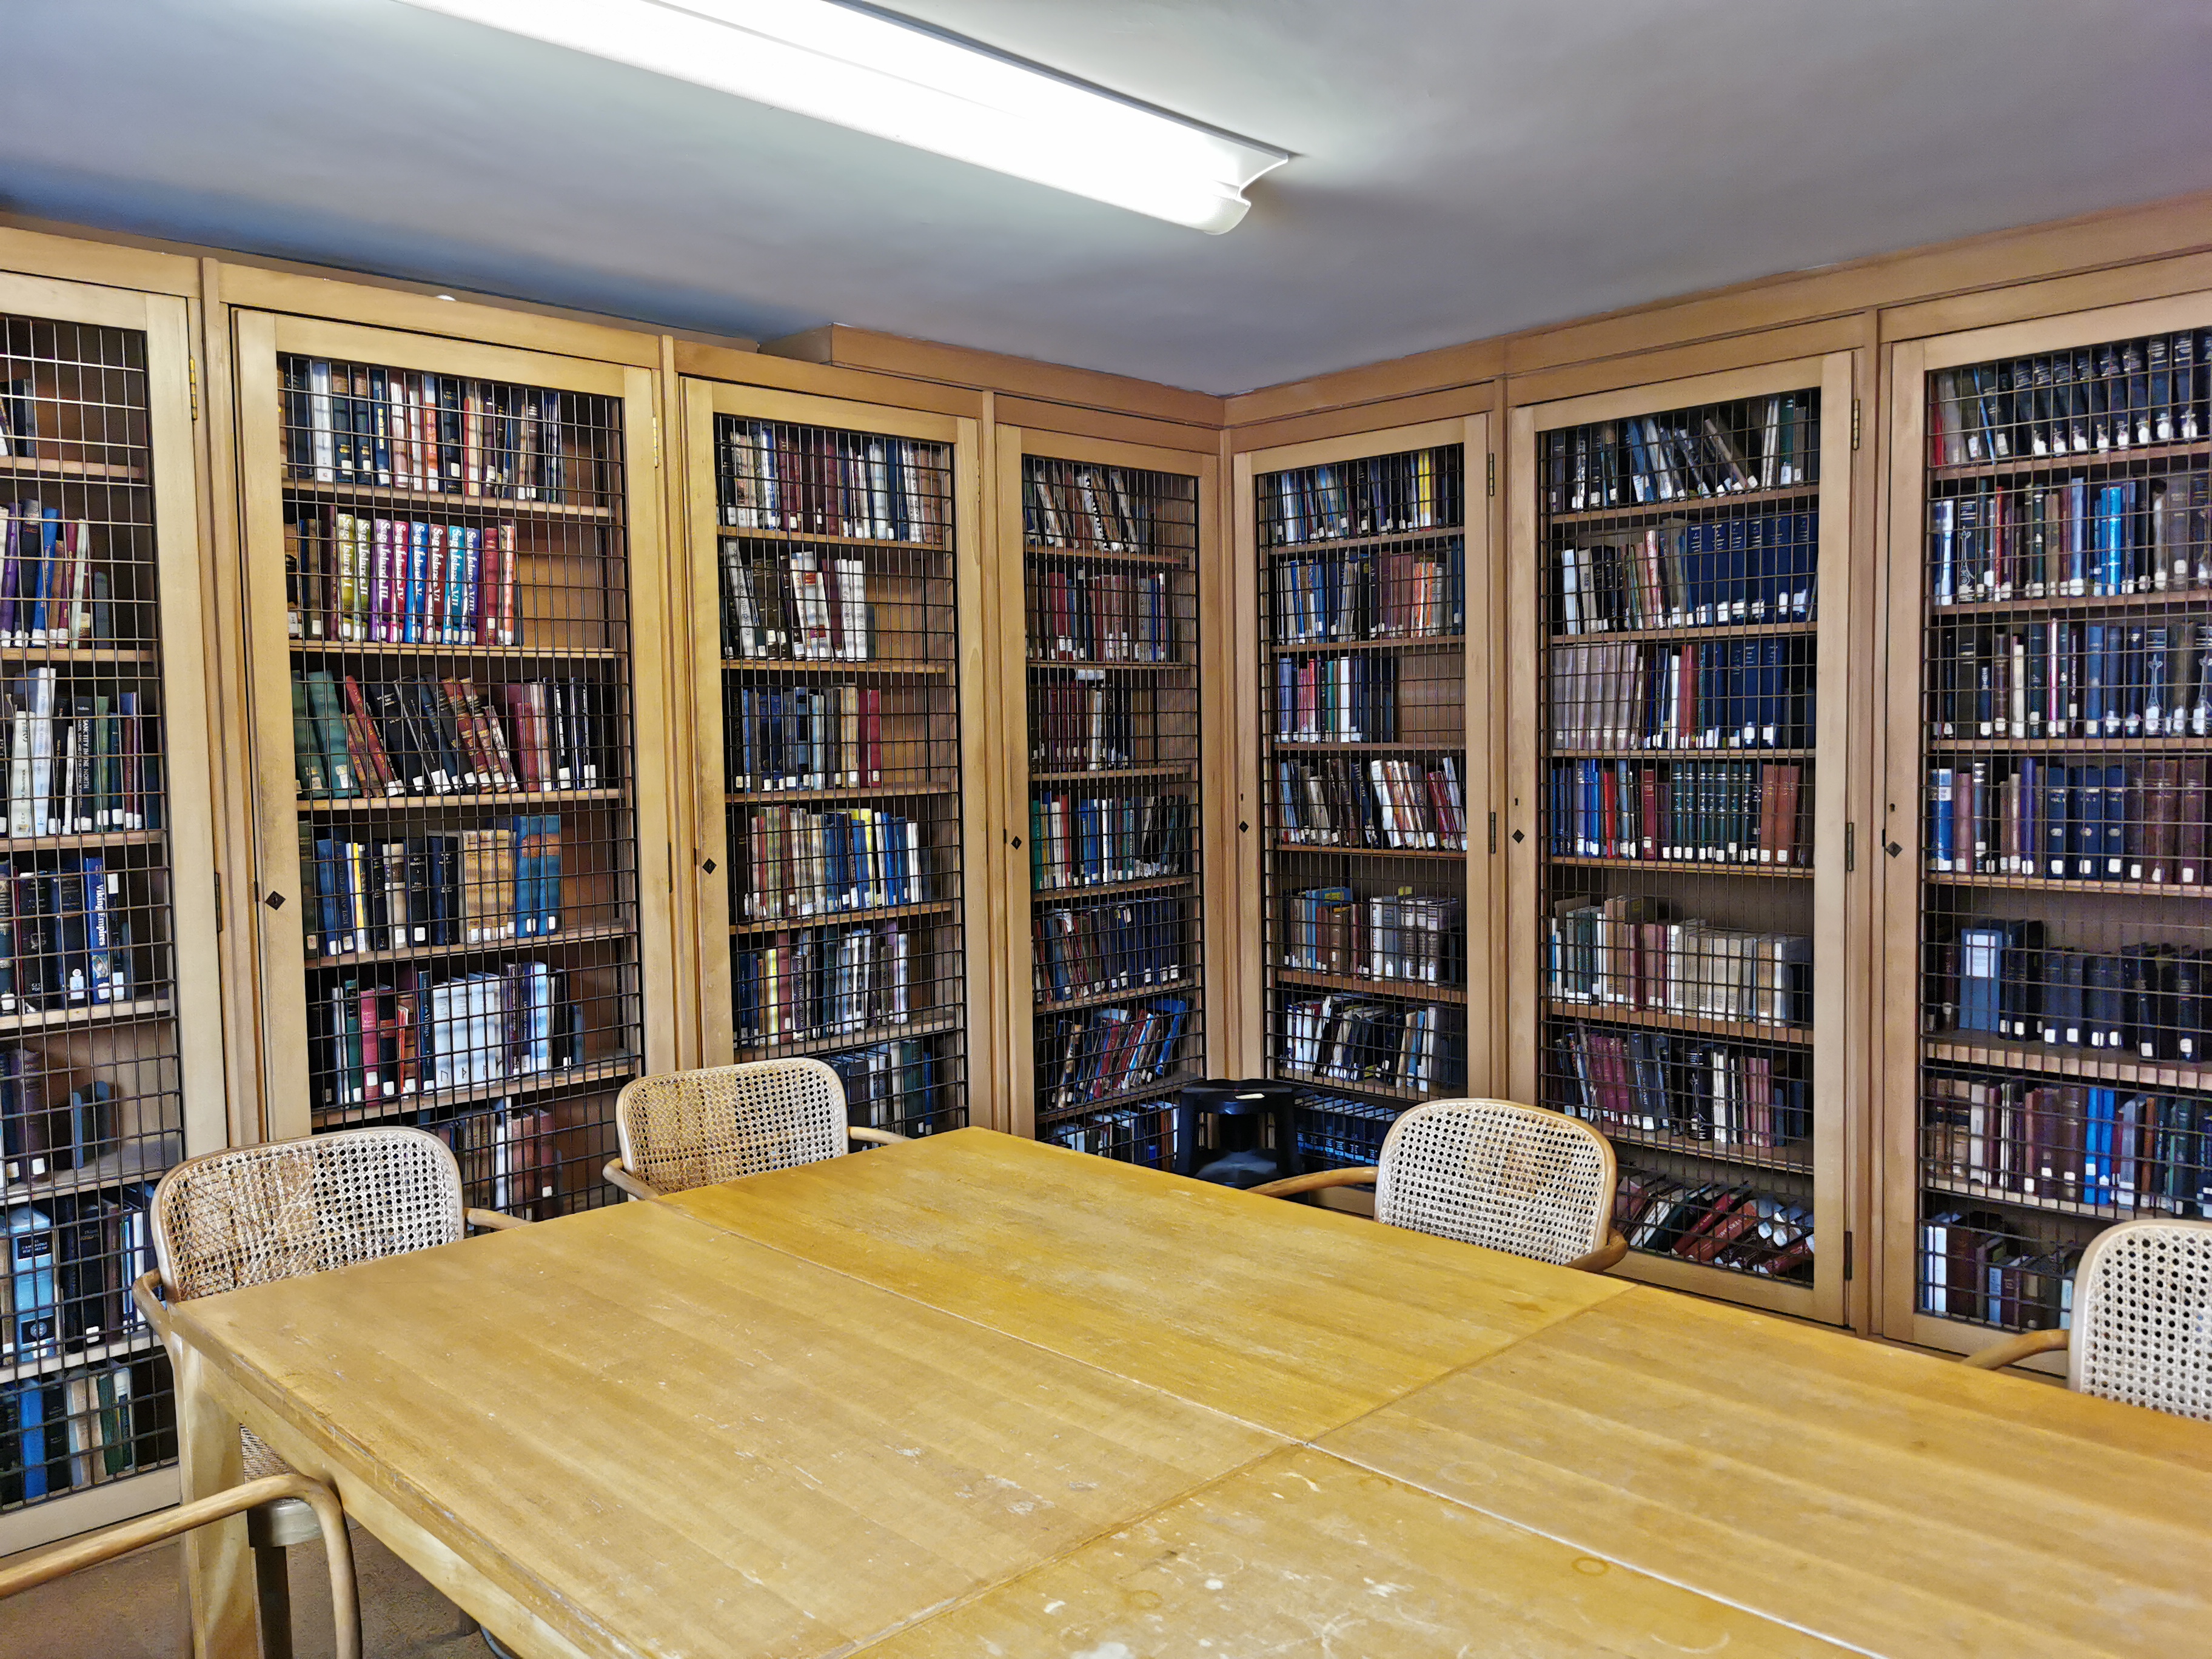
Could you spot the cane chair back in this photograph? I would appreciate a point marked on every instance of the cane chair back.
(2142, 1317)
(1491, 1172)
(686, 1129)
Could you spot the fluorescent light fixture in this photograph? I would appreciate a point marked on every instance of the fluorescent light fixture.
(873, 72)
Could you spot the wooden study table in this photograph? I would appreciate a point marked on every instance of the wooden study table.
(975, 1395)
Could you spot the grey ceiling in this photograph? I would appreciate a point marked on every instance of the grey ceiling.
(1463, 169)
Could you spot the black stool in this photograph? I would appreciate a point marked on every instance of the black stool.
(1232, 1097)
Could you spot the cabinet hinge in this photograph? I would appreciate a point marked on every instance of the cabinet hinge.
(218, 901)
(1850, 847)
(1847, 1254)
(192, 375)
(1855, 424)
(656, 440)
(1493, 832)
(1493, 472)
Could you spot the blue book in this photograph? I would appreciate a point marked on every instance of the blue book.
(1943, 553)
(35, 1313)
(2111, 539)
(2092, 678)
(1981, 973)
(2058, 811)
(1773, 694)
(1639, 462)
(2088, 820)
(1943, 830)
(2097, 1147)
(38, 580)
(2116, 822)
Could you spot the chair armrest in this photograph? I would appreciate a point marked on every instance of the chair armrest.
(146, 1292)
(1365, 1177)
(1603, 1257)
(2011, 1352)
(492, 1221)
(630, 1184)
(879, 1137)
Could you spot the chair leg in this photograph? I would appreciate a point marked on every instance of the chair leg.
(272, 1589)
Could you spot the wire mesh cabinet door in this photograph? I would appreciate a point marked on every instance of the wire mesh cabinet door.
(111, 1066)
(457, 748)
(840, 785)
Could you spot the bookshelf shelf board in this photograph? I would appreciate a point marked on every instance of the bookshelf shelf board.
(1337, 1085)
(87, 1357)
(854, 791)
(1653, 511)
(1167, 561)
(427, 1100)
(1108, 999)
(929, 1024)
(1985, 1193)
(1172, 1083)
(840, 918)
(1107, 774)
(1742, 630)
(30, 466)
(2163, 599)
(2166, 890)
(816, 668)
(1679, 754)
(1684, 866)
(805, 539)
(1405, 990)
(2090, 1065)
(442, 500)
(1108, 888)
(1353, 543)
(138, 1159)
(2093, 460)
(94, 1013)
(1414, 642)
(87, 839)
(458, 798)
(492, 948)
(60, 656)
(2069, 746)
(1330, 850)
(1733, 1030)
(1305, 746)
(1793, 1159)
(1172, 665)
(454, 653)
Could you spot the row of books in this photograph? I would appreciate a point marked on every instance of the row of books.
(1086, 727)
(2070, 679)
(1111, 1051)
(1102, 615)
(403, 738)
(893, 1085)
(71, 1258)
(810, 480)
(1407, 936)
(425, 1032)
(509, 1156)
(1412, 804)
(19, 419)
(1375, 496)
(2000, 977)
(63, 1433)
(798, 863)
(2072, 1143)
(356, 577)
(1144, 1135)
(52, 591)
(1098, 948)
(41, 1134)
(820, 981)
(2070, 540)
(1081, 841)
(2121, 395)
(795, 603)
(803, 736)
(1348, 699)
(79, 765)
(1974, 1265)
(1626, 952)
(2025, 817)
(1413, 592)
(1355, 1039)
(358, 423)
(469, 887)
(66, 936)
(1737, 570)
(1716, 1223)
(1755, 693)
(1111, 509)
(1337, 1132)
(1662, 1083)
(1723, 812)
(1691, 454)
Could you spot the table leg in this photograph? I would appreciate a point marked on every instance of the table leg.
(218, 1560)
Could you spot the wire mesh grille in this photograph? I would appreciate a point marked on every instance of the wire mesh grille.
(841, 736)
(457, 581)
(91, 1104)
(1111, 583)
(2067, 707)
(1679, 596)
(1362, 587)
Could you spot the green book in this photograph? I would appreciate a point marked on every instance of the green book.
(328, 718)
(1036, 847)
(114, 1395)
(306, 752)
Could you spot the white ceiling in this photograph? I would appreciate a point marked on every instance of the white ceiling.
(1463, 169)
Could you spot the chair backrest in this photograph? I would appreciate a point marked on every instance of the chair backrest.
(1490, 1172)
(2142, 1317)
(252, 1214)
(685, 1129)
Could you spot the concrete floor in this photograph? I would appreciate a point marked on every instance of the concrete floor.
(134, 1609)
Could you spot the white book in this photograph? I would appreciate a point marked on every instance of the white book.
(318, 422)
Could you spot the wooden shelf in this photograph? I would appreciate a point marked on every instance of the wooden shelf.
(495, 947)
(2089, 1064)
(811, 538)
(91, 1356)
(926, 1022)
(1323, 746)
(1180, 769)
(1330, 1085)
(1718, 631)
(1159, 1088)
(1352, 543)
(1173, 665)
(1405, 990)
(2030, 466)
(88, 839)
(458, 798)
(1642, 512)
(1414, 642)
(1182, 987)
(2060, 885)
(1796, 1158)
(305, 648)
(69, 656)
(1679, 754)
(840, 918)
(2166, 600)
(833, 668)
(1730, 1031)
(441, 501)
(1454, 853)
(90, 1013)
(2118, 745)
(140, 1158)
(435, 1100)
(1984, 1193)
(843, 791)
(1108, 888)
(1683, 866)
(1167, 561)
(34, 466)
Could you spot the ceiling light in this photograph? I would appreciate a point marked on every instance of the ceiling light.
(880, 73)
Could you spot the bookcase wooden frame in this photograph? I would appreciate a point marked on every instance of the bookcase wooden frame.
(1903, 875)
(1014, 445)
(258, 339)
(700, 638)
(1835, 1010)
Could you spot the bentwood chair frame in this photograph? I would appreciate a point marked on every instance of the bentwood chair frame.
(684, 1129)
(2141, 1322)
(252, 1215)
(1495, 1173)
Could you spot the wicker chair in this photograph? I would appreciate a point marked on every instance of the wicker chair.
(685, 1129)
(253, 1214)
(1488, 1172)
(2143, 1320)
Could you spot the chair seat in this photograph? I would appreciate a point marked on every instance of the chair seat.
(287, 1521)
(260, 1460)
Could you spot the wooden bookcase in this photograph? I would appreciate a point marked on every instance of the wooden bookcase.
(466, 927)
(1100, 684)
(834, 614)
(2050, 729)
(1680, 624)
(1373, 584)
(110, 1069)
